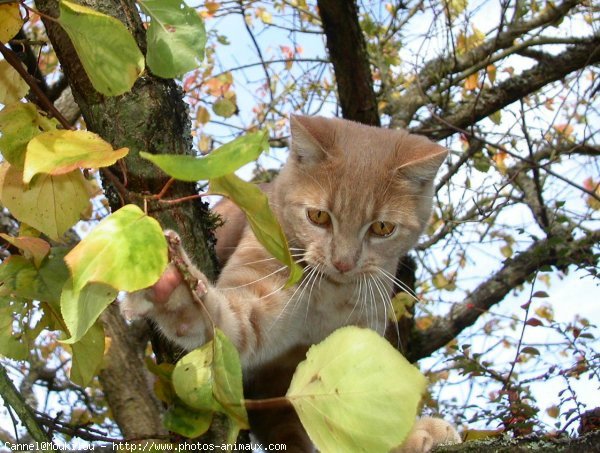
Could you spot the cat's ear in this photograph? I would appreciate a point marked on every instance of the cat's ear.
(425, 160)
(312, 138)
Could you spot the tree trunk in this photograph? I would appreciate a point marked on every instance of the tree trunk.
(151, 117)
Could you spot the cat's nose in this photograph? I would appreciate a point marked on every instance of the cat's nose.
(343, 265)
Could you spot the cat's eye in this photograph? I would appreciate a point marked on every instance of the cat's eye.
(382, 229)
(318, 217)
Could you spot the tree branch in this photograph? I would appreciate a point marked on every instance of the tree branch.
(403, 110)
(348, 53)
(13, 398)
(550, 251)
(493, 99)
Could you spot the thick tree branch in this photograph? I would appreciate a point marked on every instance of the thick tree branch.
(11, 397)
(551, 251)
(490, 100)
(126, 383)
(403, 110)
(348, 54)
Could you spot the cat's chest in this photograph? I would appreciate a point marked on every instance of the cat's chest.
(329, 306)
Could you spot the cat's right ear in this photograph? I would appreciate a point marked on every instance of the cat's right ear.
(311, 138)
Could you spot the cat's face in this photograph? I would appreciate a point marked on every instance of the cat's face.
(355, 198)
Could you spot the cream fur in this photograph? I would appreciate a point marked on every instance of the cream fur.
(358, 175)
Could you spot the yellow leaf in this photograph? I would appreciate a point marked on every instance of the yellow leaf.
(212, 7)
(10, 21)
(34, 248)
(491, 72)
(12, 86)
(59, 152)
(51, 203)
(472, 82)
(553, 411)
(202, 115)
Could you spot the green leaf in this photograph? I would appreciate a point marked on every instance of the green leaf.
(355, 392)
(265, 226)
(11, 345)
(20, 277)
(81, 309)
(228, 387)
(51, 203)
(12, 86)
(210, 379)
(222, 161)
(88, 354)
(127, 250)
(193, 378)
(187, 422)
(59, 152)
(176, 37)
(19, 123)
(107, 50)
(225, 107)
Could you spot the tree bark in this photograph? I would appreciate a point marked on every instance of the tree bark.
(348, 54)
(151, 117)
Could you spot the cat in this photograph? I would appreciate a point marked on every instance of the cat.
(352, 200)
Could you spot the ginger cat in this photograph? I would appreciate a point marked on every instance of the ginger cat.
(352, 199)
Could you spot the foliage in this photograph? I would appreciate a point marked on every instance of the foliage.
(516, 208)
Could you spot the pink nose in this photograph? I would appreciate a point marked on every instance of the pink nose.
(343, 266)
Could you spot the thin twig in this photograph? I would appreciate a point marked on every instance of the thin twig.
(14, 61)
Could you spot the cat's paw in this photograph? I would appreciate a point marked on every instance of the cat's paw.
(427, 433)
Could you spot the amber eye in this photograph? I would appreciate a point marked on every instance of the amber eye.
(382, 229)
(320, 218)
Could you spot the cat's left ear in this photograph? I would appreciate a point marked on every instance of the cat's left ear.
(425, 160)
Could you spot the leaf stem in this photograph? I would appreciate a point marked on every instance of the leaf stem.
(267, 403)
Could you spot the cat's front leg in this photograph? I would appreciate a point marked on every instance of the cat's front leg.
(427, 433)
(176, 308)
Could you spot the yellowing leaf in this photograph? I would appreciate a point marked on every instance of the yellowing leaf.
(176, 37)
(455, 7)
(261, 219)
(127, 251)
(491, 72)
(107, 50)
(479, 434)
(33, 248)
(12, 86)
(401, 303)
(88, 355)
(224, 107)
(193, 378)
(203, 115)
(355, 392)
(10, 21)
(222, 161)
(553, 411)
(209, 379)
(59, 152)
(51, 203)
(19, 123)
